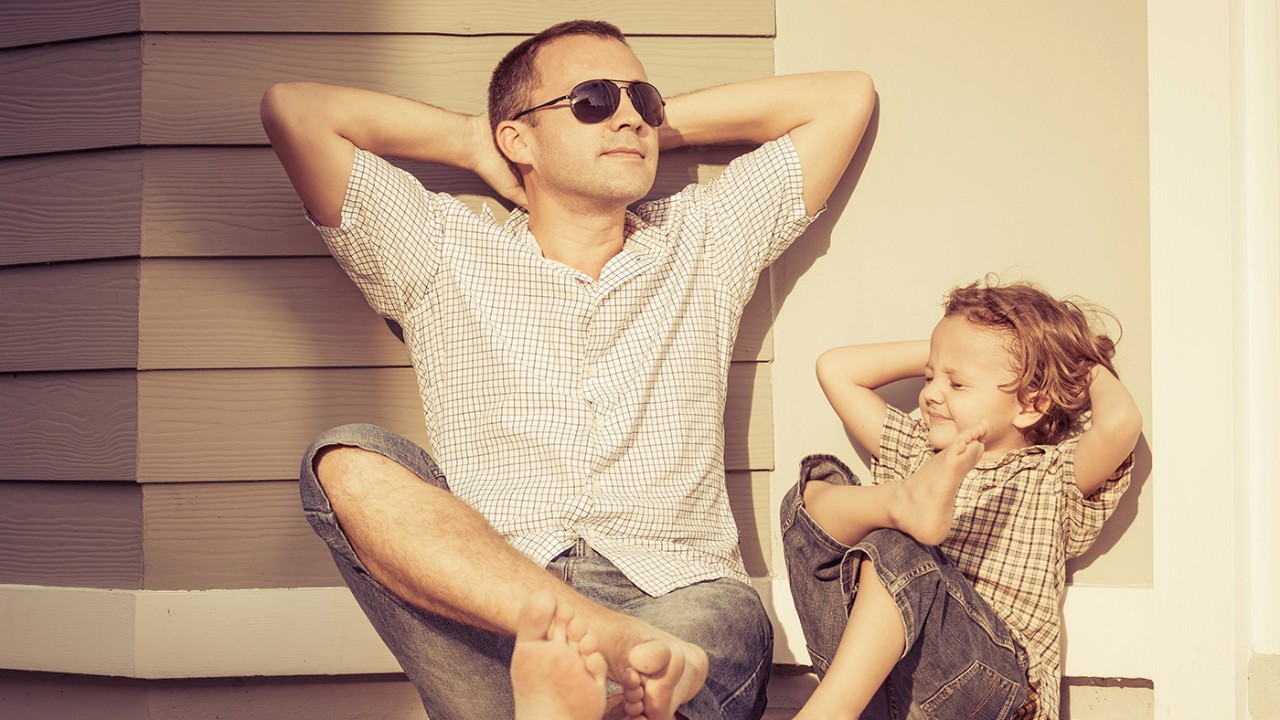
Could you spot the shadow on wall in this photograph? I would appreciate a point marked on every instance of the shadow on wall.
(1126, 512)
(817, 239)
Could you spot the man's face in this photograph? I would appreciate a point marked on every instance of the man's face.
(607, 164)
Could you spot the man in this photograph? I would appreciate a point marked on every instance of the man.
(571, 362)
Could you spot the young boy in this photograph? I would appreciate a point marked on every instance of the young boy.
(935, 590)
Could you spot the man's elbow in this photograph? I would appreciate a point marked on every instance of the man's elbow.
(860, 84)
(282, 104)
(857, 93)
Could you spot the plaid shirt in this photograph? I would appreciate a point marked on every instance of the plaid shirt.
(1017, 521)
(565, 407)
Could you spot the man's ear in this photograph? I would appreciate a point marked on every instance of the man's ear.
(513, 142)
(1031, 413)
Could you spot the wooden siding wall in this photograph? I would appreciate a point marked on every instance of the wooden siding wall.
(173, 333)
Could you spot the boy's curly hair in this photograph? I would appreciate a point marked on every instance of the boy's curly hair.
(1052, 346)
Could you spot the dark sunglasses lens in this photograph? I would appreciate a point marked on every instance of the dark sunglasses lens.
(648, 102)
(594, 101)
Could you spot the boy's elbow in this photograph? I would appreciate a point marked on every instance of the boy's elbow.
(1133, 424)
(1124, 426)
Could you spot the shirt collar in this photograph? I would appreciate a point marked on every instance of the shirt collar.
(1012, 456)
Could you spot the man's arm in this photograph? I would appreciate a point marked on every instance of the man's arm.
(850, 375)
(315, 129)
(1115, 423)
(825, 113)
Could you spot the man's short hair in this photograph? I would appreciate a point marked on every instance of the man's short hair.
(513, 80)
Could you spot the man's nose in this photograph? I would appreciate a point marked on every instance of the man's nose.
(626, 115)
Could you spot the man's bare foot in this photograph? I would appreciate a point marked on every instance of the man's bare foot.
(924, 504)
(557, 671)
(660, 673)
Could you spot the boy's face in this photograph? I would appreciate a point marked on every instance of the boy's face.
(967, 366)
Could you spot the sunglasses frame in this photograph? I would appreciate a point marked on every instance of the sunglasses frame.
(618, 86)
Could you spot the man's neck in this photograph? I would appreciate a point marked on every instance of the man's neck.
(584, 238)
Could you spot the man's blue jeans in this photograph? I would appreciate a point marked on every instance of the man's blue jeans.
(462, 673)
(960, 660)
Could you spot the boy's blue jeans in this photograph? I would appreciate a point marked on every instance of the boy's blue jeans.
(462, 673)
(960, 660)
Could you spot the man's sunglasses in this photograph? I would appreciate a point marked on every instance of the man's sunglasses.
(595, 101)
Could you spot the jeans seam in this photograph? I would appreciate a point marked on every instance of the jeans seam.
(1001, 683)
(816, 531)
(981, 620)
(752, 679)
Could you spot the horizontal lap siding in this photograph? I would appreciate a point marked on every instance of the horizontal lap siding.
(206, 202)
(71, 96)
(30, 22)
(212, 535)
(204, 89)
(69, 316)
(71, 534)
(207, 314)
(191, 334)
(69, 426)
(70, 207)
(495, 17)
(253, 424)
(292, 312)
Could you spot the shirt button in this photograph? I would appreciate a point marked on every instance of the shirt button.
(597, 423)
(590, 371)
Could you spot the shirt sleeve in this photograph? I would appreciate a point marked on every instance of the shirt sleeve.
(904, 446)
(389, 224)
(753, 211)
(1083, 517)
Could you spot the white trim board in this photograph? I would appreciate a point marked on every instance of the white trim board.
(155, 634)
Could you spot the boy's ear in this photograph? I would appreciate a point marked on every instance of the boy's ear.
(513, 143)
(1030, 414)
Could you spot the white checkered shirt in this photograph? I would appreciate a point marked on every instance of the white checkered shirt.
(562, 407)
(1017, 520)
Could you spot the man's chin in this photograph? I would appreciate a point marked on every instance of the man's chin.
(633, 195)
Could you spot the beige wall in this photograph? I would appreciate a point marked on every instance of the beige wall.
(1009, 138)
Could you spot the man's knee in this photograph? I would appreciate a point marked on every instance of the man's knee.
(336, 465)
(342, 461)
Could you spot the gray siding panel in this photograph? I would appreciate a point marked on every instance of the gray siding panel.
(77, 206)
(71, 96)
